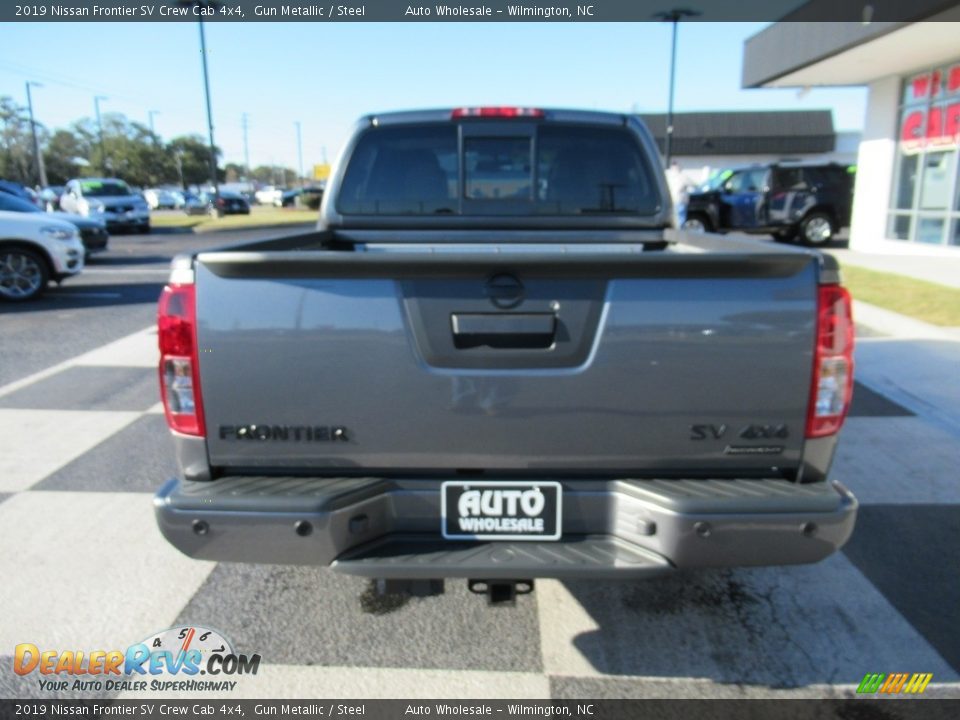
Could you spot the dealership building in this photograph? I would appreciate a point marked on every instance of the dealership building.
(706, 142)
(907, 196)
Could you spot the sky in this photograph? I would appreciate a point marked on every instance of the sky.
(327, 75)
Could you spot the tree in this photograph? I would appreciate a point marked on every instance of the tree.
(16, 161)
(64, 157)
(273, 175)
(194, 159)
(128, 151)
(234, 172)
(131, 151)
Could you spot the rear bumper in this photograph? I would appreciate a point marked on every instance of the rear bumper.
(391, 528)
(94, 240)
(124, 220)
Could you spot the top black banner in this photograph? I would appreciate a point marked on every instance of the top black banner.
(855, 11)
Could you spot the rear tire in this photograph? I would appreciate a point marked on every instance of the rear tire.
(23, 274)
(816, 229)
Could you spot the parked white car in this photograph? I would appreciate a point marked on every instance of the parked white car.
(34, 249)
(163, 199)
(269, 195)
(108, 199)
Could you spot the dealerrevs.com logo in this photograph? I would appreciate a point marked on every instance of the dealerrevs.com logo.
(177, 659)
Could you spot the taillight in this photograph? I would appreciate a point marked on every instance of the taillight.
(497, 112)
(832, 362)
(179, 368)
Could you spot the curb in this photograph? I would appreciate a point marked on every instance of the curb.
(900, 326)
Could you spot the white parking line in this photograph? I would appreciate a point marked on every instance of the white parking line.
(36, 443)
(88, 570)
(137, 350)
(70, 362)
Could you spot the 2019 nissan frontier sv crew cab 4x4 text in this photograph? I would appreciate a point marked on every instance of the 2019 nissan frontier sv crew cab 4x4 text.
(495, 360)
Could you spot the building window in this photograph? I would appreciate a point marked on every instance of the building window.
(925, 203)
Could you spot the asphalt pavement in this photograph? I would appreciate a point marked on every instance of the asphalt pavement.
(115, 295)
(83, 445)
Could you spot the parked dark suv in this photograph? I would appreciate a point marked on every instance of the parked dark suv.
(791, 201)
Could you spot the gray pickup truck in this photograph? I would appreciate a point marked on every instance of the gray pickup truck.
(496, 360)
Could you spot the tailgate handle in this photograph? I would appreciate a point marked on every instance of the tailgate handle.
(503, 330)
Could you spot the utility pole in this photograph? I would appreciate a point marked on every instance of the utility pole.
(103, 150)
(206, 6)
(299, 152)
(673, 16)
(153, 137)
(246, 148)
(178, 156)
(206, 88)
(41, 170)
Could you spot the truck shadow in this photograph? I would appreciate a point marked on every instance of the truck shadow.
(723, 625)
(873, 605)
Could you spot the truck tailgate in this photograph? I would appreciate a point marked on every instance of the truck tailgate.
(645, 364)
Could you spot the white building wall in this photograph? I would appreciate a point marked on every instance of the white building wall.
(875, 164)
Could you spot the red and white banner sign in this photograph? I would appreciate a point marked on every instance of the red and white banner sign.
(933, 121)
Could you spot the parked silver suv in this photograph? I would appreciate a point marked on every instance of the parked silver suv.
(107, 199)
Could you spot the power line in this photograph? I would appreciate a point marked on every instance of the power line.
(59, 80)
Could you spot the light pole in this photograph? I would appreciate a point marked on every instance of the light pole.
(41, 170)
(299, 152)
(103, 151)
(673, 16)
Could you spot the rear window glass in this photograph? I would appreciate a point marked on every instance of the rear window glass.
(586, 170)
(497, 168)
(402, 171)
(554, 170)
(104, 188)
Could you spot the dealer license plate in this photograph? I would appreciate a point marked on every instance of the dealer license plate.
(491, 510)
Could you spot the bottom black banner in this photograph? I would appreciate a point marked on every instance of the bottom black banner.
(846, 709)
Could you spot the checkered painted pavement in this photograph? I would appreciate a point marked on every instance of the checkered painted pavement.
(83, 445)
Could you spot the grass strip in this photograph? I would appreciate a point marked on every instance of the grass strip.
(260, 217)
(927, 301)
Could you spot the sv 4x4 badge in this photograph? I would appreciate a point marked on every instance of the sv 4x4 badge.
(748, 432)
